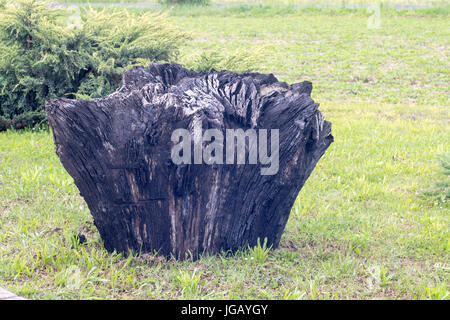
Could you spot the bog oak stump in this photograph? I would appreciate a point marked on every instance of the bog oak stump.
(118, 151)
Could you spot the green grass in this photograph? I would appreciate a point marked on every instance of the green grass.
(280, 2)
(361, 227)
(405, 61)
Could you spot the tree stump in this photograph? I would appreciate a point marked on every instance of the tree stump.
(119, 151)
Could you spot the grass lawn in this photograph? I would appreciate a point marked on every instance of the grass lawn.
(360, 228)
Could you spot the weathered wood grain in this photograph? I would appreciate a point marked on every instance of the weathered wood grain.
(118, 150)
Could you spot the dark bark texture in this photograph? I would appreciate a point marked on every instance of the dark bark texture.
(118, 150)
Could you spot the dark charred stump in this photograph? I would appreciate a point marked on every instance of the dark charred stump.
(118, 150)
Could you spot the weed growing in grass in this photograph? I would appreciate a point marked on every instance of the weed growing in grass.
(259, 254)
(189, 282)
(293, 295)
